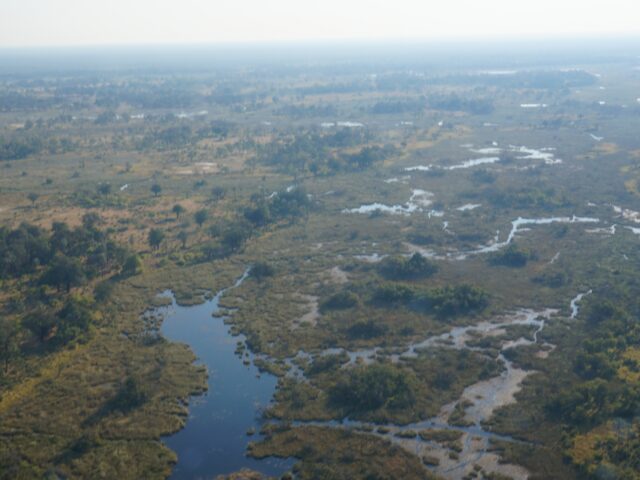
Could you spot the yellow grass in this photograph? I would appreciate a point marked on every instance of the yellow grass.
(50, 370)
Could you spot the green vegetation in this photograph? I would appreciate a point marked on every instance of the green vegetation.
(400, 268)
(447, 301)
(512, 256)
(116, 185)
(332, 453)
(375, 387)
(340, 301)
(321, 154)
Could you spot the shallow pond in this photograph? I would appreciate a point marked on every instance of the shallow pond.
(214, 440)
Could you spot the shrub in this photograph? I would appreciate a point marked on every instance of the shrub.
(512, 256)
(340, 301)
(132, 265)
(455, 300)
(324, 363)
(375, 386)
(392, 293)
(130, 396)
(366, 329)
(261, 270)
(416, 267)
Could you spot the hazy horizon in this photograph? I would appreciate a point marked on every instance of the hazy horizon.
(520, 53)
(73, 23)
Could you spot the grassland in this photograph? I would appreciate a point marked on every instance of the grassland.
(56, 405)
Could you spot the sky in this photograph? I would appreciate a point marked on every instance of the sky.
(144, 22)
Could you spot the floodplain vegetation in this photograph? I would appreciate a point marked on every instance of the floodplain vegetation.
(378, 209)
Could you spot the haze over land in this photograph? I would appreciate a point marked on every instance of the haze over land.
(81, 22)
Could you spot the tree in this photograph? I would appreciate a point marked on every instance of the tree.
(234, 238)
(183, 236)
(178, 210)
(261, 270)
(258, 215)
(156, 236)
(449, 301)
(73, 321)
(132, 265)
(33, 197)
(340, 301)
(64, 272)
(512, 256)
(416, 267)
(103, 291)
(9, 344)
(90, 220)
(218, 193)
(156, 189)
(40, 323)
(375, 386)
(129, 396)
(104, 188)
(201, 216)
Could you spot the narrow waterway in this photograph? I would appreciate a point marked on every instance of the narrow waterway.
(215, 437)
(478, 401)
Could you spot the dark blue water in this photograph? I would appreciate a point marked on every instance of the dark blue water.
(215, 438)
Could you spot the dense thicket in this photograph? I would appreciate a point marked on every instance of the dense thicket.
(319, 154)
(62, 257)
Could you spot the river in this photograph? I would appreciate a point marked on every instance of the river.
(215, 438)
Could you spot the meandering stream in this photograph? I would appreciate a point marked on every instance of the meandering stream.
(478, 402)
(214, 439)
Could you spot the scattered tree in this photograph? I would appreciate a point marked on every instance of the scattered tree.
(415, 267)
(132, 265)
(156, 189)
(183, 236)
(155, 238)
(218, 193)
(64, 272)
(201, 216)
(91, 220)
(373, 387)
(40, 323)
(9, 344)
(261, 270)
(104, 189)
(130, 396)
(178, 210)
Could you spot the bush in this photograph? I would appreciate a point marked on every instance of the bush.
(483, 176)
(261, 270)
(132, 265)
(74, 321)
(373, 387)
(420, 239)
(130, 396)
(340, 301)
(366, 329)
(64, 272)
(324, 363)
(455, 300)
(413, 268)
(603, 310)
(512, 256)
(393, 293)
(552, 279)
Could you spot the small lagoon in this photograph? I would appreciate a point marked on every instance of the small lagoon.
(214, 439)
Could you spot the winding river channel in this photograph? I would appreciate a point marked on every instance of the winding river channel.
(223, 421)
(215, 437)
